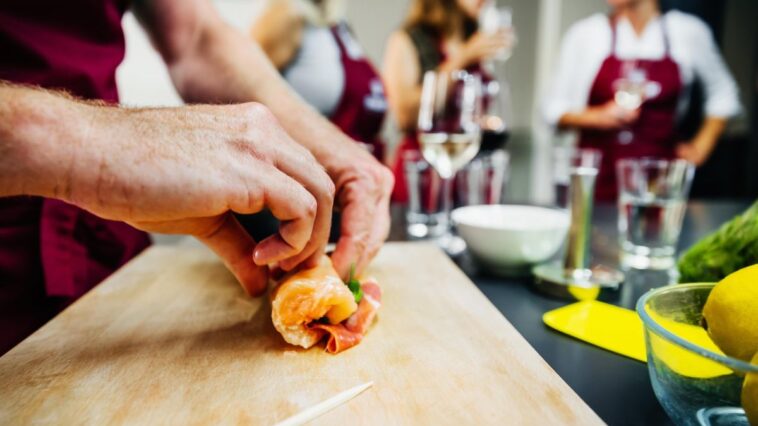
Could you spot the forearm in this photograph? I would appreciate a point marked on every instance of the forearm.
(40, 132)
(708, 136)
(573, 120)
(225, 66)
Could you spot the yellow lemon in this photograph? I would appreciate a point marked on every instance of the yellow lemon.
(731, 313)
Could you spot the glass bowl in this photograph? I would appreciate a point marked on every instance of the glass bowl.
(693, 380)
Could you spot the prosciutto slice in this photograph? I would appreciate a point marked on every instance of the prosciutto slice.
(313, 303)
(350, 332)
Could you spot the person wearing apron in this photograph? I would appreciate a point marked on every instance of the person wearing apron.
(667, 53)
(653, 133)
(317, 54)
(141, 165)
(52, 252)
(427, 43)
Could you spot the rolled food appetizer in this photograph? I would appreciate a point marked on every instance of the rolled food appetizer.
(314, 303)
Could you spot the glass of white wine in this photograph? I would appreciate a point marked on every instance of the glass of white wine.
(449, 133)
(630, 93)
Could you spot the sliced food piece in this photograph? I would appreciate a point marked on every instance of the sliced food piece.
(349, 333)
(310, 295)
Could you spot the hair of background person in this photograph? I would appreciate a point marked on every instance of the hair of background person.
(322, 12)
(441, 17)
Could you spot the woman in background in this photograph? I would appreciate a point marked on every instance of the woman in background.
(665, 51)
(438, 35)
(314, 49)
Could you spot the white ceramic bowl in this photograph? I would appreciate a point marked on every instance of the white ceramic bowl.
(511, 237)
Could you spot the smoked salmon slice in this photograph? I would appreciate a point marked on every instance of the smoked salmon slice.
(313, 303)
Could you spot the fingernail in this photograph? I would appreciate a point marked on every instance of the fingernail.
(258, 258)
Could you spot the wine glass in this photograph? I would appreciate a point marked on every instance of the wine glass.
(630, 93)
(496, 115)
(493, 19)
(449, 133)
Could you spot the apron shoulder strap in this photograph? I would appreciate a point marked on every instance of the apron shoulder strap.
(335, 30)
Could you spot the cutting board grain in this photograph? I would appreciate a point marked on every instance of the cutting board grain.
(172, 339)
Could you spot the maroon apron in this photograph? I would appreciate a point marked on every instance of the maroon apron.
(361, 110)
(52, 252)
(654, 132)
(410, 144)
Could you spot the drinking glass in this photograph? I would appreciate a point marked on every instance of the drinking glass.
(652, 201)
(566, 161)
(425, 217)
(483, 180)
(449, 132)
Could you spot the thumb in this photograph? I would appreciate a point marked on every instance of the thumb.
(234, 246)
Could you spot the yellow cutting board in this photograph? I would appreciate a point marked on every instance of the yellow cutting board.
(171, 339)
(621, 331)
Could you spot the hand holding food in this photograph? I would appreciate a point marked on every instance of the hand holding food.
(178, 170)
(364, 187)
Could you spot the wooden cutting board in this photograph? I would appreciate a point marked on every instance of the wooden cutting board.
(172, 339)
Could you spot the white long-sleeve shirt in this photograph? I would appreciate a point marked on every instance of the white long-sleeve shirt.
(588, 42)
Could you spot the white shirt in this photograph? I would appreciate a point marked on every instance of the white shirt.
(588, 42)
(316, 71)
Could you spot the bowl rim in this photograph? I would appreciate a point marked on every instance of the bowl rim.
(459, 210)
(648, 321)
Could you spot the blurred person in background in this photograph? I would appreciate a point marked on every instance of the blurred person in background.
(81, 178)
(313, 47)
(623, 80)
(438, 35)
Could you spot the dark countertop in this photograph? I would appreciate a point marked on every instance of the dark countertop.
(617, 388)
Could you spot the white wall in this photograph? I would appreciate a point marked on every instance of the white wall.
(143, 79)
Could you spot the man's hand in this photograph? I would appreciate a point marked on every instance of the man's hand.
(196, 43)
(364, 188)
(185, 170)
(178, 170)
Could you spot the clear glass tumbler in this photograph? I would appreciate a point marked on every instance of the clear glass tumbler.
(483, 180)
(652, 201)
(426, 216)
(567, 161)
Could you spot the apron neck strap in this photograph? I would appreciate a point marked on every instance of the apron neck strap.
(336, 32)
(612, 22)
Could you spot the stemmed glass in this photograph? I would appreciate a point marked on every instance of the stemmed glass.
(493, 19)
(630, 93)
(449, 133)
